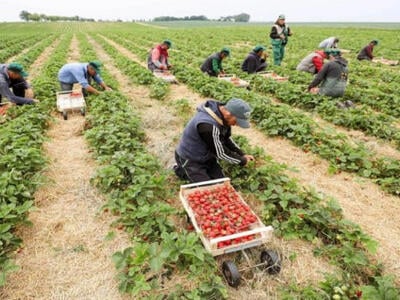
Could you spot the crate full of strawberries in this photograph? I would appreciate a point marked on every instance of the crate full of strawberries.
(223, 219)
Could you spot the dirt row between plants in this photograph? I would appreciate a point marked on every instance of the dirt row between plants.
(65, 254)
(362, 201)
(163, 128)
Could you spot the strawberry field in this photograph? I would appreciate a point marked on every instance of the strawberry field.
(326, 179)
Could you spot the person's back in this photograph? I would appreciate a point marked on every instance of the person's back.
(71, 71)
(312, 63)
(330, 42)
(207, 65)
(335, 78)
(191, 145)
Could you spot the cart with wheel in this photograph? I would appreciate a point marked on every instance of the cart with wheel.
(226, 224)
(236, 81)
(71, 101)
(166, 76)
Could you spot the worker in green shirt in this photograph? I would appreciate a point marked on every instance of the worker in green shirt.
(213, 64)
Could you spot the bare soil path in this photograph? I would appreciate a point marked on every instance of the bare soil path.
(363, 202)
(66, 254)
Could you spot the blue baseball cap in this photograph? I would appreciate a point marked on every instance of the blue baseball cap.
(241, 110)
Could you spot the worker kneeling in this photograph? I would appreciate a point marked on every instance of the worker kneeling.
(255, 60)
(207, 137)
(81, 73)
(13, 76)
(332, 78)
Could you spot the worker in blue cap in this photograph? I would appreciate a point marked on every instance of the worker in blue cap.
(207, 139)
(255, 60)
(157, 59)
(279, 38)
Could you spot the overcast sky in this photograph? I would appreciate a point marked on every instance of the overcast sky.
(295, 10)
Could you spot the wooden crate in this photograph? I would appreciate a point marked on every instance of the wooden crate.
(262, 233)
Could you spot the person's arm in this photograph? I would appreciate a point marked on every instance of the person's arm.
(233, 146)
(368, 51)
(274, 33)
(320, 77)
(289, 31)
(212, 137)
(251, 65)
(318, 62)
(5, 91)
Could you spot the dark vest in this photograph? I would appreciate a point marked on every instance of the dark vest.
(207, 65)
(191, 146)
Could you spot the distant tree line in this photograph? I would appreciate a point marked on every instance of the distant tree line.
(27, 16)
(187, 18)
(236, 18)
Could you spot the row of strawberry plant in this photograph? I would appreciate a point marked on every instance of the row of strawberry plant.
(299, 212)
(137, 192)
(22, 159)
(18, 47)
(360, 118)
(303, 131)
(322, 221)
(9, 40)
(27, 59)
(137, 188)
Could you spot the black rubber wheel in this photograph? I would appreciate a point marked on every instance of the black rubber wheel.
(271, 260)
(65, 115)
(231, 273)
(83, 112)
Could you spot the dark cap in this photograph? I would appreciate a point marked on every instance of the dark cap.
(17, 68)
(259, 48)
(96, 65)
(241, 110)
(168, 43)
(226, 50)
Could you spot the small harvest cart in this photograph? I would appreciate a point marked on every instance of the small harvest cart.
(217, 201)
(236, 81)
(166, 76)
(70, 101)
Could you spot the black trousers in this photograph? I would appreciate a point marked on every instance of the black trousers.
(197, 172)
(18, 87)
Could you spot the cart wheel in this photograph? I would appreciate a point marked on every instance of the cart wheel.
(83, 111)
(65, 115)
(231, 273)
(271, 260)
